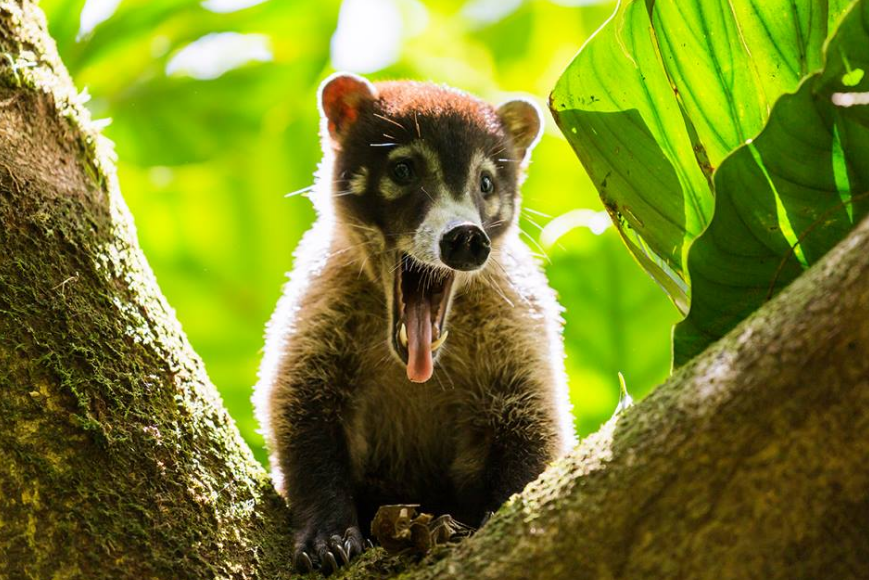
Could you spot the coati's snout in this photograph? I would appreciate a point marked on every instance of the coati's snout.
(425, 183)
(465, 247)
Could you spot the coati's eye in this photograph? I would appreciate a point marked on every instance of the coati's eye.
(487, 186)
(402, 172)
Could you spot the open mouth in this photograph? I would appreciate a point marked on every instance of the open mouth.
(422, 296)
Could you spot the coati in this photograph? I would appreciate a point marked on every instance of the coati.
(416, 354)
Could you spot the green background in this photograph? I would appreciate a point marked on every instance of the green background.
(205, 163)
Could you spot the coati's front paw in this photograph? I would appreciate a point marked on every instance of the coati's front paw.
(320, 550)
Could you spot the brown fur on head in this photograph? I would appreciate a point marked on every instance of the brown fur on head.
(425, 183)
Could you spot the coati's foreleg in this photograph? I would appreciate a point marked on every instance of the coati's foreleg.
(316, 466)
(517, 456)
(513, 440)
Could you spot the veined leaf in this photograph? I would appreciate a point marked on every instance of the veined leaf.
(662, 95)
(617, 108)
(783, 200)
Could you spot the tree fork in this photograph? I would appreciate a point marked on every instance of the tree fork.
(119, 461)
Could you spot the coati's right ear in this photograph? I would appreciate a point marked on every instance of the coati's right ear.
(341, 96)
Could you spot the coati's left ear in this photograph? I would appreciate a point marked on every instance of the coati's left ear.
(341, 96)
(523, 122)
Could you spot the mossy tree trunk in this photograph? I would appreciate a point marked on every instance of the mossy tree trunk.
(117, 459)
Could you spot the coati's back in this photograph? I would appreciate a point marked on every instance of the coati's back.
(413, 273)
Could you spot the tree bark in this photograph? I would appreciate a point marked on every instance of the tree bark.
(119, 461)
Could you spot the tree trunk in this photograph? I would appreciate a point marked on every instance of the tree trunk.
(119, 461)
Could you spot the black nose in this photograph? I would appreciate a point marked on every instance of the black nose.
(465, 247)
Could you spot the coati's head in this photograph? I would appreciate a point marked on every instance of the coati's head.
(426, 183)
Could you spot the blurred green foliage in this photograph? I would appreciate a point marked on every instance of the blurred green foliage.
(205, 163)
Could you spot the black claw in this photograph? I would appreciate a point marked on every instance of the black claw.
(352, 547)
(338, 549)
(330, 558)
(303, 563)
(342, 553)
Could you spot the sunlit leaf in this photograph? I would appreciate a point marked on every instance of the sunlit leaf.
(785, 199)
(666, 92)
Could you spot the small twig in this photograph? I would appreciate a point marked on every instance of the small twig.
(63, 284)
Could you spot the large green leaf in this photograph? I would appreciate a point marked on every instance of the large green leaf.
(783, 200)
(616, 107)
(657, 100)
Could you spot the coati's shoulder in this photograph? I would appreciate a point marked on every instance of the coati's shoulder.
(323, 295)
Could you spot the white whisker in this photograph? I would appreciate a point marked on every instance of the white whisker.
(299, 191)
(534, 211)
(533, 223)
(362, 267)
(537, 244)
(361, 227)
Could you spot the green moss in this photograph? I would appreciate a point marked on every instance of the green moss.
(119, 460)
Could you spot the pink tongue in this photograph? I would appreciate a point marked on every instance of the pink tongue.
(417, 316)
